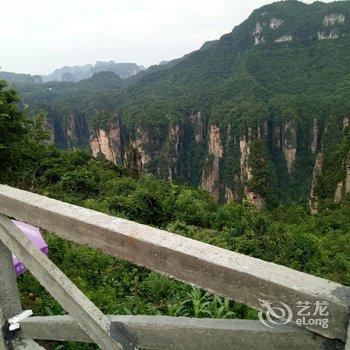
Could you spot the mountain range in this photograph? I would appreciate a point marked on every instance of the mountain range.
(261, 113)
(76, 73)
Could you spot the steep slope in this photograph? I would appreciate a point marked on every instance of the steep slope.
(244, 116)
(68, 104)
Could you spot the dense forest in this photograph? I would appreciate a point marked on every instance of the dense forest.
(287, 235)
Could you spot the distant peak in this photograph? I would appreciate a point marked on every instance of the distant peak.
(78, 73)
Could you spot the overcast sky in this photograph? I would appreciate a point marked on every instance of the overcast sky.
(37, 36)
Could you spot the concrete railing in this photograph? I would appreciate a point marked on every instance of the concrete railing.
(244, 279)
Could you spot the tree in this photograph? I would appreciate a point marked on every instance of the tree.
(12, 128)
(21, 138)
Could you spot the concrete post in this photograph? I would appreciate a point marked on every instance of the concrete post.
(10, 304)
(90, 318)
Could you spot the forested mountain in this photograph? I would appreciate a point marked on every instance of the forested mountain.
(258, 113)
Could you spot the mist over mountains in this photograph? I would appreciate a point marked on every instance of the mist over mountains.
(76, 73)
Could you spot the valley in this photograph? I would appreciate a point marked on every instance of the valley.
(275, 88)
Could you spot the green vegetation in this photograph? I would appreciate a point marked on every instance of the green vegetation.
(20, 78)
(288, 235)
(334, 169)
(248, 91)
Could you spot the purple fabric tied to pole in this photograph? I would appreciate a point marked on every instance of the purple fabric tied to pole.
(33, 233)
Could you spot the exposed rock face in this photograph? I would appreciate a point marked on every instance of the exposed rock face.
(100, 145)
(258, 38)
(139, 145)
(313, 199)
(290, 144)
(71, 131)
(199, 126)
(244, 146)
(343, 187)
(276, 136)
(314, 137)
(262, 130)
(108, 143)
(347, 178)
(333, 34)
(117, 145)
(229, 195)
(330, 20)
(221, 148)
(215, 147)
(211, 171)
(284, 39)
(246, 169)
(70, 127)
(275, 23)
(217, 157)
(257, 29)
(338, 196)
(174, 143)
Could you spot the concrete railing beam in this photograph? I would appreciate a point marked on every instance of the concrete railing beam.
(239, 277)
(162, 332)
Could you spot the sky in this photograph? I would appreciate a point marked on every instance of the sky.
(38, 36)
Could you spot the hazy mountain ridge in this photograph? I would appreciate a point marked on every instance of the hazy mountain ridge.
(75, 73)
(16, 78)
(78, 73)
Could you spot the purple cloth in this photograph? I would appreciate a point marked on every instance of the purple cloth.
(33, 233)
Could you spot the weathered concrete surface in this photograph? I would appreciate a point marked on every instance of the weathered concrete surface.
(162, 332)
(26, 344)
(88, 316)
(242, 278)
(10, 304)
